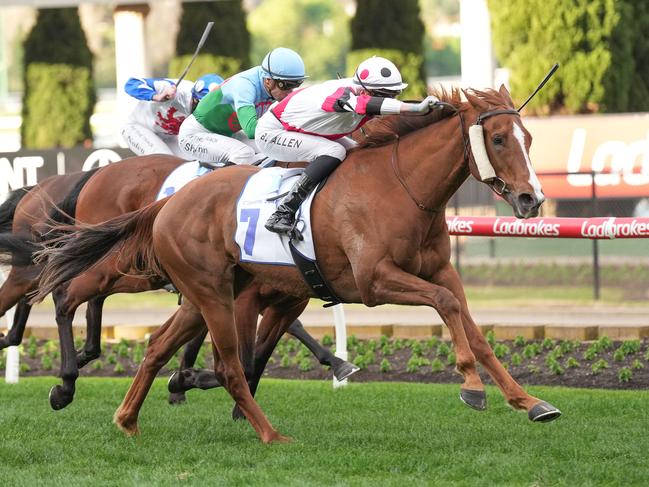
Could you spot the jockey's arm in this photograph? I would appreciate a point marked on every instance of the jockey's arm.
(376, 105)
(150, 89)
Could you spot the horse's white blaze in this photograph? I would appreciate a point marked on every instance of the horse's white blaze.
(534, 180)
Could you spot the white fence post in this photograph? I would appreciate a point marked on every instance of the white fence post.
(341, 338)
(13, 357)
(12, 365)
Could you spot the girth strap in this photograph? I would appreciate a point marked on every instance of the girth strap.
(314, 277)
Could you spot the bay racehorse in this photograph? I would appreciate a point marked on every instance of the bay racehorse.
(380, 237)
(112, 191)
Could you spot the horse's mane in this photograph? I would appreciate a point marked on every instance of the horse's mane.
(383, 130)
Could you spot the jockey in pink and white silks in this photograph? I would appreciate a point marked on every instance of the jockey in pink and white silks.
(222, 128)
(312, 125)
(152, 127)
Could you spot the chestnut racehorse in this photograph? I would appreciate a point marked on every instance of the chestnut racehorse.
(380, 238)
(114, 190)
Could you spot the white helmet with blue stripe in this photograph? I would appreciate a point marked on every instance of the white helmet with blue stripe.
(205, 84)
(284, 64)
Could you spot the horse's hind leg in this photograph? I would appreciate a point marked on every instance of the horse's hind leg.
(276, 320)
(341, 368)
(186, 378)
(515, 395)
(15, 335)
(185, 324)
(92, 348)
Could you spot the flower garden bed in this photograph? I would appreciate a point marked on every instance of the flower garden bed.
(601, 363)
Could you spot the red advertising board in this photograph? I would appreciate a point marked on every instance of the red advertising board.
(617, 146)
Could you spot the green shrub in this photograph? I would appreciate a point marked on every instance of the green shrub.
(416, 348)
(205, 63)
(119, 368)
(555, 368)
(58, 95)
(436, 365)
(491, 338)
(111, 359)
(572, 363)
(415, 362)
(598, 366)
(637, 365)
(451, 359)
(327, 340)
(285, 362)
(385, 366)
(97, 365)
(46, 362)
(138, 355)
(630, 347)
(534, 369)
(549, 343)
(519, 341)
(625, 374)
(24, 367)
(605, 343)
(619, 355)
(531, 350)
(32, 349)
(305, 364)
(501, 350)
(432, 343)
(443, 349)
(591, 352)
(398, 344)
(516, 359)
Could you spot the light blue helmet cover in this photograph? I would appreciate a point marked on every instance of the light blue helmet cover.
(283, 63)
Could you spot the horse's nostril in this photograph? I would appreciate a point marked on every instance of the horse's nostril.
(526, 200)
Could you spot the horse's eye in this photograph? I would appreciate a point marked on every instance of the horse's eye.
(497, 140)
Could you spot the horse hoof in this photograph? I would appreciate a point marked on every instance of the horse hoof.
(474, 399)
(543, 412)
(173, 384)
(237, 414)
(344, 370)
(58, 398)
(177, 398)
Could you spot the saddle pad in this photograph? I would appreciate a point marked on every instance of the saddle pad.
(179, 177)
(257, 244)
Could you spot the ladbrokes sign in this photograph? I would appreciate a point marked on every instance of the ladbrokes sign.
(615, 145)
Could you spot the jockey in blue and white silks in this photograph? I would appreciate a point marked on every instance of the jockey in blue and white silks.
(152, 127)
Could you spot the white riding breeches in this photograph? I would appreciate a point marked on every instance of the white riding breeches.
(196, 142)
(283, 145)
(144, 141)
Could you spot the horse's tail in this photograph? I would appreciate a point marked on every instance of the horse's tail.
(79, 248)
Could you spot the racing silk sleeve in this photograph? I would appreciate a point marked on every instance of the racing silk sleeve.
(146, 88)
(243, 96)
(345, 100)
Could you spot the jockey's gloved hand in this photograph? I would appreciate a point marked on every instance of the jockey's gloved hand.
(421, 108)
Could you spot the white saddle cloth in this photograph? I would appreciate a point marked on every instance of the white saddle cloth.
(179, 177)
(253, 209)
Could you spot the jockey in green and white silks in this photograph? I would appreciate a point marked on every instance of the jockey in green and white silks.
(152, 127)
(222, 128)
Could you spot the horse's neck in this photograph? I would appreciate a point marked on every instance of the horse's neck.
(432, 162)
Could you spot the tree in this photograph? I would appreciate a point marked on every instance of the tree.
(316, 29)
(601, 45)
(393, 30)
(227, 48)
(59, 95)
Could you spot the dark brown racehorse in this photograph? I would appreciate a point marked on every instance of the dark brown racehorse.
(380, 236)
(23, 216)
(114, 190)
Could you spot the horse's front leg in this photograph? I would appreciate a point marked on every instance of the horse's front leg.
(389, 284)
(515, 395)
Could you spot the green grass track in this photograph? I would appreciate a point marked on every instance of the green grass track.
(372, 434)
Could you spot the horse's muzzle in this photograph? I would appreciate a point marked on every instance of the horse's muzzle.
(525, 205)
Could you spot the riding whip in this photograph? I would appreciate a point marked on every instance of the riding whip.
(206, 32)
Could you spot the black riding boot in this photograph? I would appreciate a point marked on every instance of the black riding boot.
(283, 220)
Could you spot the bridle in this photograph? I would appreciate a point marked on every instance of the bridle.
(498, 185)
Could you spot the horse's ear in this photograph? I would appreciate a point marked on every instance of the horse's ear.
(505, 94)
(476, 102)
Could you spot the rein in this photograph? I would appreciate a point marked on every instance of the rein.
(395, 168)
